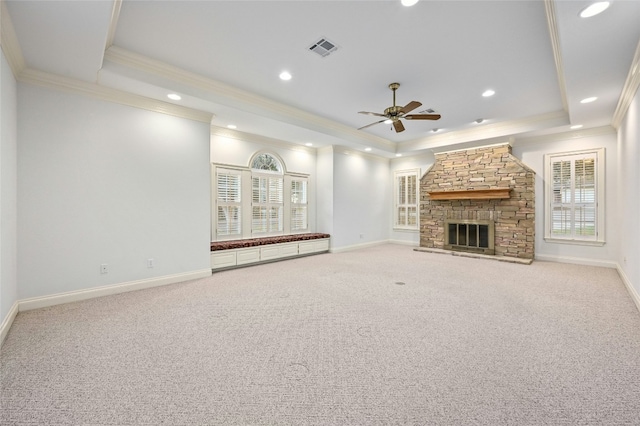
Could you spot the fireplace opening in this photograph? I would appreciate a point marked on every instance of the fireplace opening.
(469, 235)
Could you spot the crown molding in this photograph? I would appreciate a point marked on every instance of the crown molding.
(353, 152)
(488, 131)
(239, 97)
(564, 136)
(71, 85)
(629, 90)
(113, 24)
(262, 140)
(549, 6)
(9, 42)
(485, 144)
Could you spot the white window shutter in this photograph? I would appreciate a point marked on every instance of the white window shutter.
(298, 205)
(229, 203)
(575, 191)
(406, 199)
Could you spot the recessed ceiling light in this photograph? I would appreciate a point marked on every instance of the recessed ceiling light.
(232, 126)
(594, 8)
(308, 144)
(408, 2)
(367, 149)
(479, 120)
(398, 155)
(576, 126)
(435, 130)
(285, 75)
(488, 93)
(174, 96)
(588, 100)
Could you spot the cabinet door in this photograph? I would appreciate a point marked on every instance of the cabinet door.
(223, 260)
(248, 256)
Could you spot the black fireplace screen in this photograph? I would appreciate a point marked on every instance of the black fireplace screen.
(469, 235)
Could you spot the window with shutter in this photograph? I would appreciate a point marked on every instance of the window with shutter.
(267, 204)
(259, 200)
(406, 199)
(298, 204)
(575, 194)
(229, 203)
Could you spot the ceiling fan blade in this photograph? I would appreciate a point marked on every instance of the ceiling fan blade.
(371, 113)
(372, 124)
(422, 117)
(398, 126)
(410, 106)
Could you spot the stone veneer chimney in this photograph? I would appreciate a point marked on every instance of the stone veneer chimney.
(483, 184)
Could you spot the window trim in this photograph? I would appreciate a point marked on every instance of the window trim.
(599, 169)
(218, 203)
(289, 179)
(269, 203)
(396, 204)
(246, 173)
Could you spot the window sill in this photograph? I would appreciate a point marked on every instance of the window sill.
(598, 243)
(406, 229)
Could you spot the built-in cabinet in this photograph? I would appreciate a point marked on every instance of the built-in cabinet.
(231, 258)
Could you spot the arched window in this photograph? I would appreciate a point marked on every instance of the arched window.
(260, 200)
(266, 162)
(267, 190)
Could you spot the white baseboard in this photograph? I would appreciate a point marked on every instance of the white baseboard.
(632, 291)
(90, 293)
(576, 260)
(404, 243)
(7, 321)
(358, 246)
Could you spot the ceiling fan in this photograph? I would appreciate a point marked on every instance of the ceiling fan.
(395, 113)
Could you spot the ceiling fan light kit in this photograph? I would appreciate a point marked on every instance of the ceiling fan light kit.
(393, 114)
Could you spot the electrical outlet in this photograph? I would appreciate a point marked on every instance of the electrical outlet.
(150, 263)
(104, 268)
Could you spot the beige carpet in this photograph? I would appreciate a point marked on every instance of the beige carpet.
(383, 335)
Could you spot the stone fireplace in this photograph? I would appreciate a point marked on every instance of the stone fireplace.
(479, 200)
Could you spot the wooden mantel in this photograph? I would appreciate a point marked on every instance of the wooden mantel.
(471, 194)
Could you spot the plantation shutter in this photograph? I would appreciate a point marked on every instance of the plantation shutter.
(267, 204)
(574, 197)
(406, 202)
(412, 195)
(298, 204)
(229, 199)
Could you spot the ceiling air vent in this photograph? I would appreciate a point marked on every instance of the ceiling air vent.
(323, 47)
(427, 111)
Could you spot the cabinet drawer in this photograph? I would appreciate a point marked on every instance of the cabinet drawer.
(269, 252)
(313, 246)
(289, 250)
(223, 260)
(247, 256)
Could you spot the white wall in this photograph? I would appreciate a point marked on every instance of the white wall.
(362, 200)
(102, 183)
(422, 162)
(532, 152)
(324, 199)
(8, 187)
(629, 195)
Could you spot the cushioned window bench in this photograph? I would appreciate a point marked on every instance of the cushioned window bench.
(235, 253)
